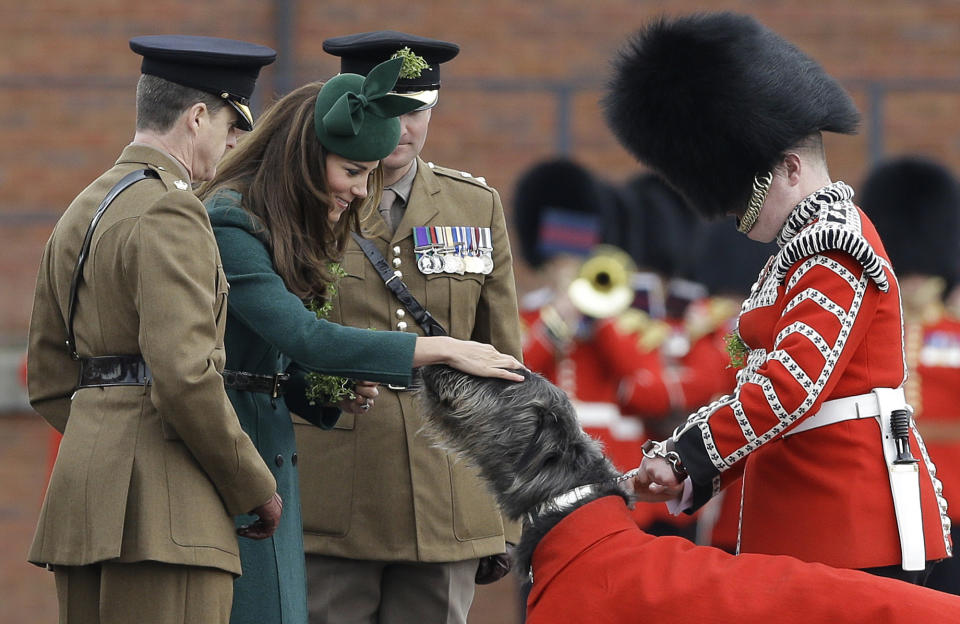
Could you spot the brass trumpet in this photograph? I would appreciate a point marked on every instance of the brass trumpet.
(603, 287)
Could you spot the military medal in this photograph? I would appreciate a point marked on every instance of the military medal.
(423, 249)
(447, 258)
(486, 251)
(471, 263)
(436, 258)
(446, 265)
(455, 237)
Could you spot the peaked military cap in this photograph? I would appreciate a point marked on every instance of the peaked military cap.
(224, 67)
(420, 76)
(712, 100)
(914, 202)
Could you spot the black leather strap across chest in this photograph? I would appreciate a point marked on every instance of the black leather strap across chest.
(430, 325)
(124, 183)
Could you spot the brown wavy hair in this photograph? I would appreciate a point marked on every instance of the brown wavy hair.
(280, 170)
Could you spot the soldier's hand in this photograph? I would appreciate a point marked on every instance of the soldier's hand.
(268, 519)
(494, 567)
(655, 481)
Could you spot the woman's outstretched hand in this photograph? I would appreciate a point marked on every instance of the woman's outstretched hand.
(470, 357)
(365, 392)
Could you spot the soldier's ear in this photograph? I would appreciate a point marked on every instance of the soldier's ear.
(196, 116)
(792, 167)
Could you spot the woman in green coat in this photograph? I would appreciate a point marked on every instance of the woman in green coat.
(282, 205)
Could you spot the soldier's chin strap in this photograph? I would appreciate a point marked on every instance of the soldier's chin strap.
(125, 182)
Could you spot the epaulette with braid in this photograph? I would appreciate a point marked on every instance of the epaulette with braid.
(826, 221)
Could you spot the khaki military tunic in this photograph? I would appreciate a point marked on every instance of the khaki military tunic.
(143, 472)
(374, 487)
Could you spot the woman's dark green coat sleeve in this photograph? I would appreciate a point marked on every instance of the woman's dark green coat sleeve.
(260, 300)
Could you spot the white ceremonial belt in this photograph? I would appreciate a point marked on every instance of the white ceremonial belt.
(847, 408)
(904, 477)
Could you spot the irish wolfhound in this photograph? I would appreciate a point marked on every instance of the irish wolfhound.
(590, 562)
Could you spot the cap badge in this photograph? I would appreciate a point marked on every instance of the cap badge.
(180, 184)
(413, 64)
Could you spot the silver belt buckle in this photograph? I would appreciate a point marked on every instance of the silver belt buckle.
(278, 379)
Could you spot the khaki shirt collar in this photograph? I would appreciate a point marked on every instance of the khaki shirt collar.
(148, 154)
(403, 186)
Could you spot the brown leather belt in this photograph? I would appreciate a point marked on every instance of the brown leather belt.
(130, 370)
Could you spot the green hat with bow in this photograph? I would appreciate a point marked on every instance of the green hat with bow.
(356, 116)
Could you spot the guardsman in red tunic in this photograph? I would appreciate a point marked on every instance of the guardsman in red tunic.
(726, 264)
(818, 426)
(562, 214)
(915, 204)
(660, 245)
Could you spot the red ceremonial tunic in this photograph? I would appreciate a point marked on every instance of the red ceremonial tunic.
(822, 322)
(709, 366)
(933, 389)
(588, 368)
(597, 566)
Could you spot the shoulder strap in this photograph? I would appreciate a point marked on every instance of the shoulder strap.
(126, 181)
(429, 324)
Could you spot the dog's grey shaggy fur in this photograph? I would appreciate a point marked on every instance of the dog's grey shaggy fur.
(524, 438)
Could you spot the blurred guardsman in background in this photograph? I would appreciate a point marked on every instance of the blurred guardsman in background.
(731, 115)
(563, 216)
(395, 529)
(915, 204)
(131, 301)
(658, 388)
(725, 263)
(663, 257)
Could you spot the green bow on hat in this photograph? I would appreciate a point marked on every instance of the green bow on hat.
(356, 117)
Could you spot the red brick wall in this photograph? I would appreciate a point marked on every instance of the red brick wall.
(67, 79)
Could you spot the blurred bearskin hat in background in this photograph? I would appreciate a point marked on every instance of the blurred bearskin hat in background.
(914, 203)
(560, 207)
(726, 262)
(661, 227)
(712, 100)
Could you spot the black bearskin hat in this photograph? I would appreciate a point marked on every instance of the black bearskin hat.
(560, 207)
(914, 203)
(711, 100)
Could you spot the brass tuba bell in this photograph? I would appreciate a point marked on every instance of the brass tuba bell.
(603, 287)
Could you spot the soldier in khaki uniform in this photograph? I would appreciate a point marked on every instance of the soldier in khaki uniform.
(396, 530)
(136, 523)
